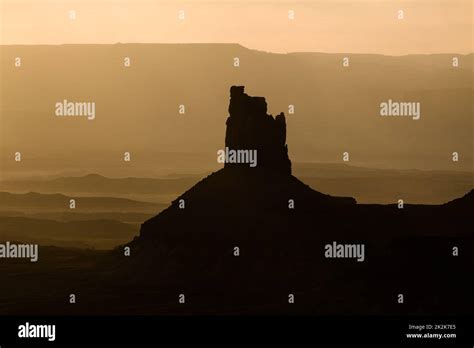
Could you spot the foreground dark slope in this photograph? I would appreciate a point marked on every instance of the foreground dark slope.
(190, 251)
(408, 251)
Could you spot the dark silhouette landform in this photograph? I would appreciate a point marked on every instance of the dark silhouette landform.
(245, 239)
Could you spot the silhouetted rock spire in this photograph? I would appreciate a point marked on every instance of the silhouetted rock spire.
(249, 127)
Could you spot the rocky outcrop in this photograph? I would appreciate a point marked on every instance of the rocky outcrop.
(243, 237)
(238, 203)
(249, 127)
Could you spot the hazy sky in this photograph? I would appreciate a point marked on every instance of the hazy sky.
(345, 26)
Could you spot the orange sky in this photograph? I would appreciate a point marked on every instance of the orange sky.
(345, 26)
